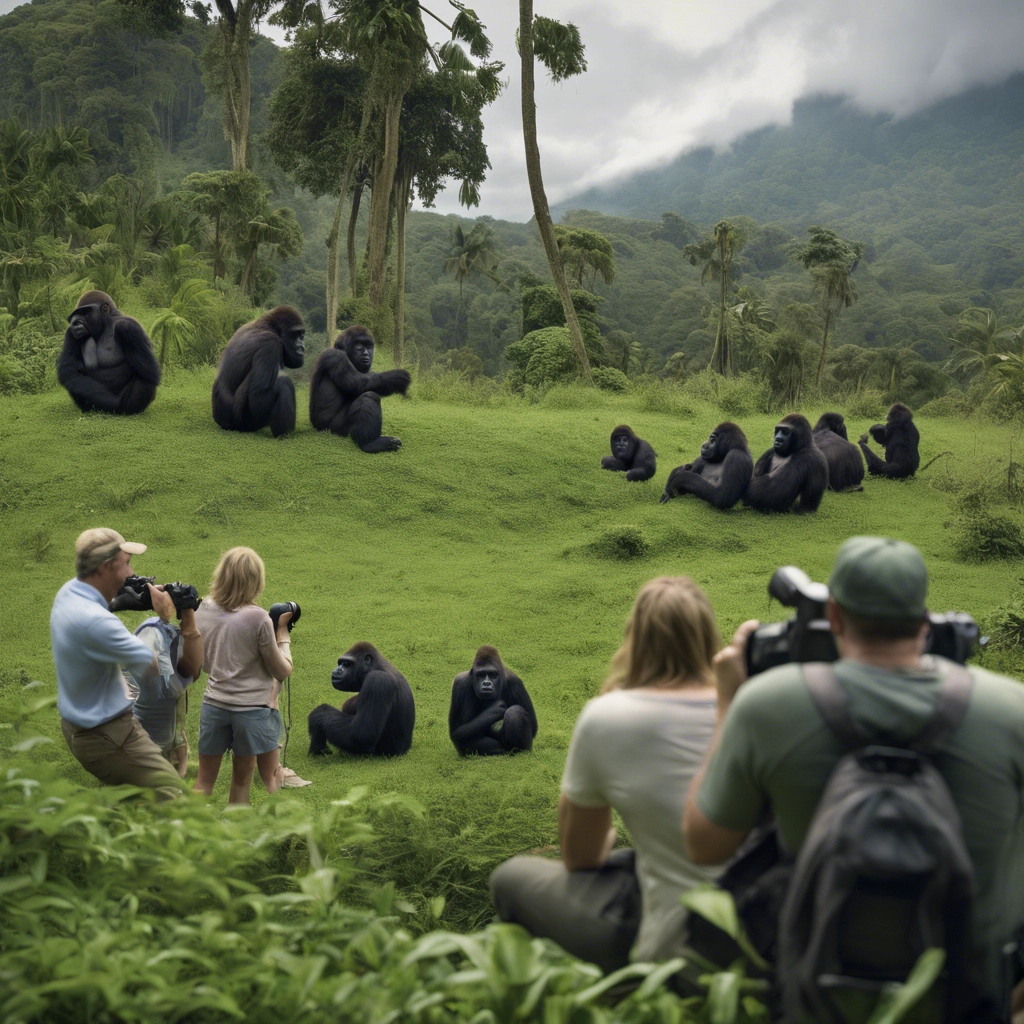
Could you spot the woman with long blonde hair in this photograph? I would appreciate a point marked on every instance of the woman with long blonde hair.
(246, 660)
(635, 749)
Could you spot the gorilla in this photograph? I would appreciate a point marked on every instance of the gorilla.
(845, 466)
(378, 720)
(491, 712)
(344, 396)
(630, 454)
(107, 362)
(793, 468)
(249, 392)
(721, 472)
(900, 439)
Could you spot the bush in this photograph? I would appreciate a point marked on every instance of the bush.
(623, 543)
(980, 533)
(1005, 628)
(949, 406)
(867, 403)
(608, 378)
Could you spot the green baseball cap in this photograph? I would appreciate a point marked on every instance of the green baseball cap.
(879, 578)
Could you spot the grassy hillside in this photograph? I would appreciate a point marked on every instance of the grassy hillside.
(479, 531)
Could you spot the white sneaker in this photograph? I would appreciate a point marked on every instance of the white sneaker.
(291, 780)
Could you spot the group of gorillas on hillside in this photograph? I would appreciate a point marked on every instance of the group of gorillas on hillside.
(793, 474)
(490, 713)
(107, 364)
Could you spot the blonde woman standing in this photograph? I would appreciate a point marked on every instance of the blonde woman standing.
(636, 748)
(246, 661)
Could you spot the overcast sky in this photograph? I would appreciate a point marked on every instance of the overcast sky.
(666, 75)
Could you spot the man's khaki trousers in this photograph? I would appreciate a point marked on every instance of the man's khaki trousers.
(120, 753)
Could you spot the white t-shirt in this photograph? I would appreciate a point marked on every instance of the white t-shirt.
(638, 752)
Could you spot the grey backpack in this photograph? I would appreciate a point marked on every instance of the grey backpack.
(883, 873)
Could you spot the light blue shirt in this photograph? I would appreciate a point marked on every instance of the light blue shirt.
(90, 644)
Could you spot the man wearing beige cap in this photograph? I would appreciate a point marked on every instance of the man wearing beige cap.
(90, 648)
(773, 748)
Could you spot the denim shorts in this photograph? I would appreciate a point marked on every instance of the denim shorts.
(246, 732)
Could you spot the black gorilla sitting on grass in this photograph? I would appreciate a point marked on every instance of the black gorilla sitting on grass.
(344, 396)
(900, 438)
(491, 712)
(379, 719)
(720, 474)
(107, 362)
(249, 391)
(630, 455)
(793, 469)
(845, 465)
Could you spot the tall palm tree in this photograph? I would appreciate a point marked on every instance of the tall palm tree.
(277, 228)
(583, 250)
(560, 49)
(714, 254)
(978, 342)
(472, 254)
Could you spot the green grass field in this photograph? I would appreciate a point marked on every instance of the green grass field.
(481, 530)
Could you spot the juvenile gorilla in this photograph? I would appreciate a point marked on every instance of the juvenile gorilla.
(845, 465)
(491, 712)
(107, 362)
(900, 439)
(378, 720)
(631, 455)
(793, 468)
(344, 396)
(720, 474)
(250, 392)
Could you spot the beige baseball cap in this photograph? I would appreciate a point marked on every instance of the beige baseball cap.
(99, 545)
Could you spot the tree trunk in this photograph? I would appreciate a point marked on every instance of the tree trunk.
(353, 218)
(402, 189)
(333, 252)
(537, 193)
(380, 200)
(235, 29)
(824, 346)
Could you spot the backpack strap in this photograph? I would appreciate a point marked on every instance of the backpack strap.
(830, 698)
(954, 697)
(833, 706)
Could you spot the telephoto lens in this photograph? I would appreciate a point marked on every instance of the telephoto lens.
(277, 610)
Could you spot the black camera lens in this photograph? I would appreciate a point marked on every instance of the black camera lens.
(277, 610)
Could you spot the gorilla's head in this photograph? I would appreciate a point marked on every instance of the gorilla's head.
(834, 422)
(792, 433)
(899, 414)
(357, 343)
(91, 315)
(353, 666)
(722, 440)
(286, 322)
(623, 443)
(488, 674)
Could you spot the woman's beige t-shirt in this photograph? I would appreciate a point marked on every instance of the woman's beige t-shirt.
(241, 657)
(638, 751)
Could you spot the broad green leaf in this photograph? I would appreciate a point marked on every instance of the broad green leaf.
(723, 1004)
(895, 1004)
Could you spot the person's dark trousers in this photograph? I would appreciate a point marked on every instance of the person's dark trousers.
(594, 915)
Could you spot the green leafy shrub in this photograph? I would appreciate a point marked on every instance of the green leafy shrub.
(981, 534)
(950, 406)
(622, 542)
(1005, 628)
(866, 403)
(666, 398)
(608, 378)
(546, 356)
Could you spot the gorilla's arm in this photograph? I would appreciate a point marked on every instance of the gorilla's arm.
(350, 382)
(515, 693)
(138, 353)
(644, 463)
(258, 386)
(879, 433)
(463, 726)
(87, 393)
(736, 472)
(610, 462)
(763, 465)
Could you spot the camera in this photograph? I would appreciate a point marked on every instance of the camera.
(277, 610)
(134, 596)
(808, 637)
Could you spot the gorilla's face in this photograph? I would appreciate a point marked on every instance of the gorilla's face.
(486, 680)
(784, 439)
(86, 321)
(622, 446)
(351, 672)
(709, 449)
(294, 341)
(360, 351)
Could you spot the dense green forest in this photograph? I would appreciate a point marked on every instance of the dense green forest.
(934, 299)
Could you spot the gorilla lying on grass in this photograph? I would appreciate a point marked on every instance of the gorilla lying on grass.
(720, 474)
(630, 455)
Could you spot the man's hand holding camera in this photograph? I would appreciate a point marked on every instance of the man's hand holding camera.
(730, 665)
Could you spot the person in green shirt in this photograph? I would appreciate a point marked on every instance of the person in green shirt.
(772, 749)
